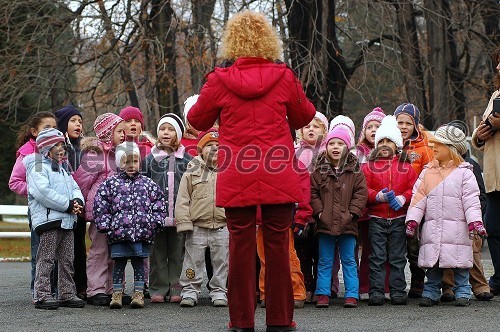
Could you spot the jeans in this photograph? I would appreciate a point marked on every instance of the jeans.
(388, 242)
(432, 287)
(347, 245)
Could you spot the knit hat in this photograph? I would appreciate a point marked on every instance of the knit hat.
(376, 115)
(190, 101)
(63, 115)
(342, 133)
(389, 129)
(126, 148)
(413, 112)
(451, 136)
(175, 122)
(104, 126)
(47, 139)
(342, 120)
(322, 118)
(131, 112)
(205, 137)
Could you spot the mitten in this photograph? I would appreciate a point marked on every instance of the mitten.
(479, 228)
(411, 228)
(397, 202)
(298, 228)
(384, 195)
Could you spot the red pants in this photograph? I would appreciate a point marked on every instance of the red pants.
(241, 222)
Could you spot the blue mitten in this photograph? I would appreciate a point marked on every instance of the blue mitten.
(397, 202)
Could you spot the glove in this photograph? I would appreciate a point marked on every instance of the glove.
(298, 228)
(384, 195)
(397, 202)
(411, 228)
(479, 228)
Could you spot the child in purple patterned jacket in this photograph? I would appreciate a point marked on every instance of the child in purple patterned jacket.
(130, 208)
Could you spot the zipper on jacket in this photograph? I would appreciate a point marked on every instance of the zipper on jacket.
(390, 185)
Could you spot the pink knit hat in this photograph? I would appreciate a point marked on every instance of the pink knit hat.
(131, 112)
(104, 126)
(341, 133)
(376, 115)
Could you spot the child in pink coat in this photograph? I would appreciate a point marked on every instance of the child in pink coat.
(98, 163)
(446, 194)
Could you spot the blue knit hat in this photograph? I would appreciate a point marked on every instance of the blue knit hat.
(413, 112)
(64, 114)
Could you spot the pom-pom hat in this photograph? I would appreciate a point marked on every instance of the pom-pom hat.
(389, 129)
(342, 120)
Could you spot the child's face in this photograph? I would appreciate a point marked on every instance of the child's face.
(45, 123)
(57, 152)
(75, 126)
(441, 152)
(386, 148)
(313, 132)
(405, 125)
(336, 149)
(133, 127)
(209, 152)
(130, 164)
(119, 134)
(370, 130)
(167, 136)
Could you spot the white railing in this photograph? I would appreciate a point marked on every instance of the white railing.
(7, 211)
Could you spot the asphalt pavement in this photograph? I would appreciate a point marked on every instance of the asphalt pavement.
(18, 314)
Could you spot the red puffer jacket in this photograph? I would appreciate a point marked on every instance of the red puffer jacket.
(252, 99)
(392, 174)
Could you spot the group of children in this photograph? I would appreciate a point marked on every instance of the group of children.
(152, 201)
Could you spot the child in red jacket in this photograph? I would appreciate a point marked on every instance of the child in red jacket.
(390, 180)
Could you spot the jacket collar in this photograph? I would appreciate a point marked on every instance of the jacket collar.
(159, 154)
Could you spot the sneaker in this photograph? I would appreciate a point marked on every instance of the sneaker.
(427, 302)
(232, 328)
(49, 304)
(175, 299)
(75, 302)
(280, 328)
(323, 301)
(298, 304)
(116, 300)
(99, 299)
(137, 300)
(350, 302)
(486, 296)
(364, 297)
(188, 302)
(399, 300)
(447, 297)
(376, 300)
(126, 299)
(220, 303)
(462, 302)
(157, 298)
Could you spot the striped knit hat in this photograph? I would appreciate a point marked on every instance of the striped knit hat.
(414, 113)
(104, 126)
(175, 122)
(47, 139)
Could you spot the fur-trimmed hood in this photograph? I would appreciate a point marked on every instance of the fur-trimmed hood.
(92, 144)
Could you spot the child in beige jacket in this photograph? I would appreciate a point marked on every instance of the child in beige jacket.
(204, 224)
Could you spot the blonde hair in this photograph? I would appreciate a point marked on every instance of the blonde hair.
(248, 34)
(454, 155)
(320, 123)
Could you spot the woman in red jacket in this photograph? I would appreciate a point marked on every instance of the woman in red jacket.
(252, 95)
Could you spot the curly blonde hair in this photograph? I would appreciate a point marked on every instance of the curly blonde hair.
(248, 34)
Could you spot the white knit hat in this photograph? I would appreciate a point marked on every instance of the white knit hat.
(451, 136)
(190, 101)
(126, 148)
(389, 129)
(342, 120)
(321, 117)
